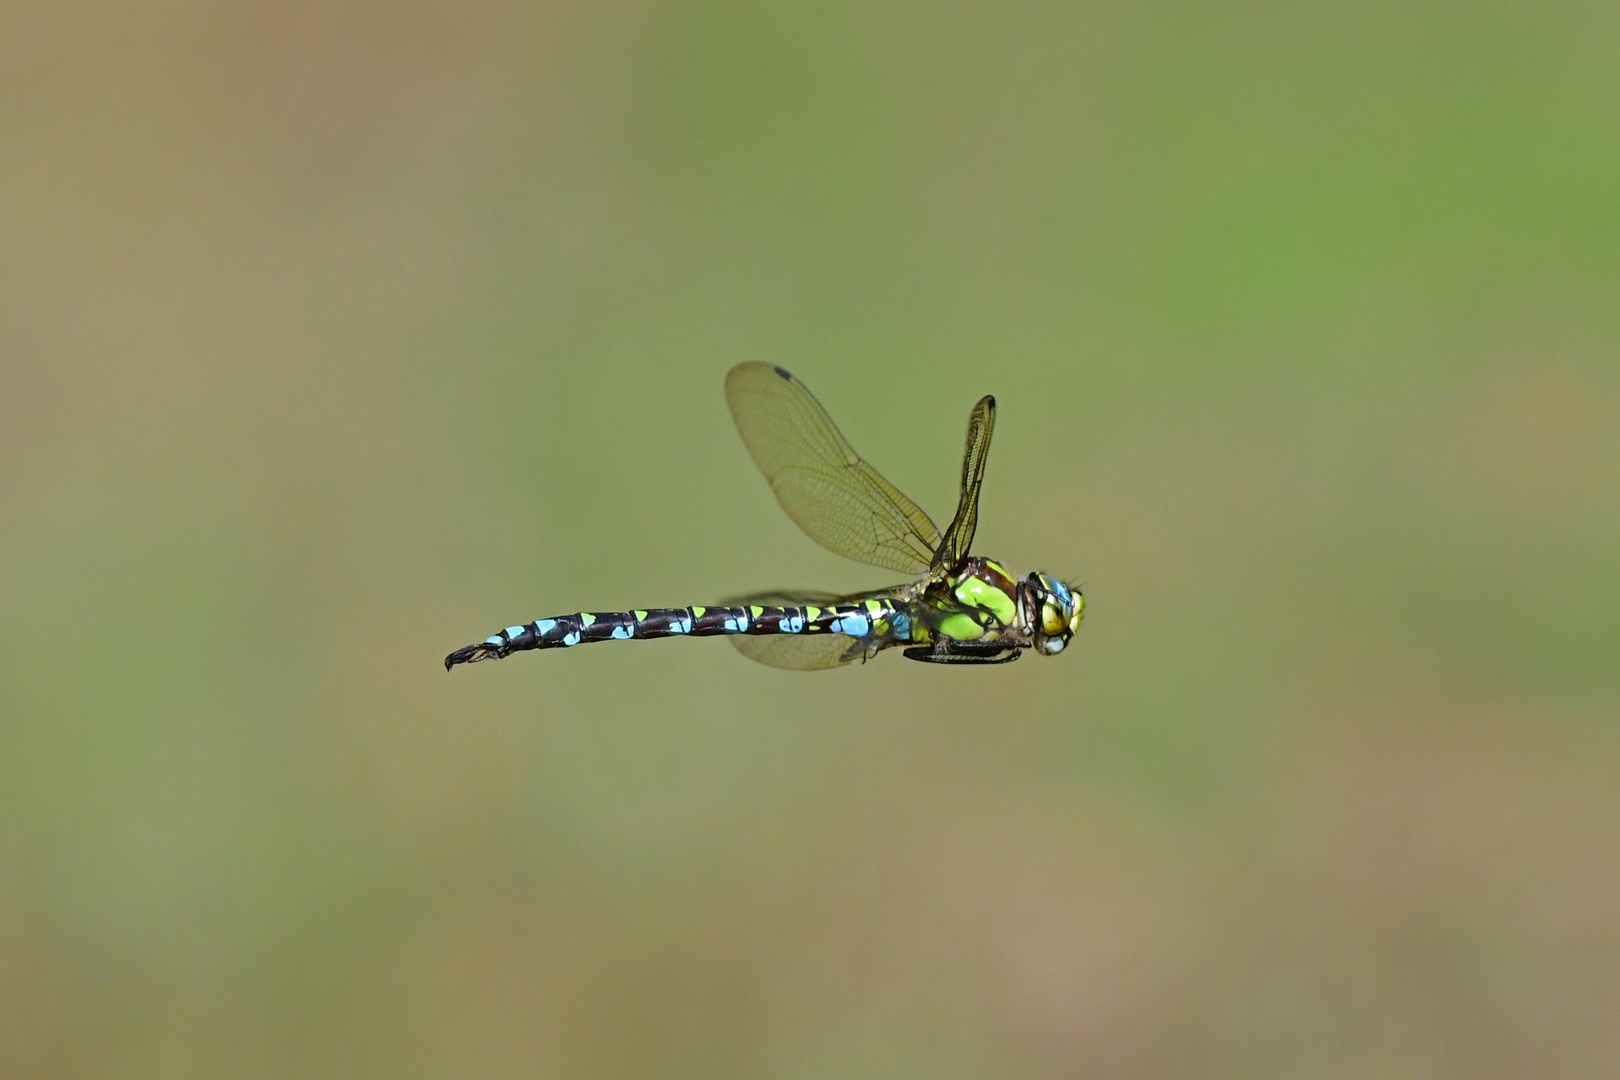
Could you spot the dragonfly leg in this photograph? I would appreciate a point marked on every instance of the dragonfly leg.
(958, 652)
(864, 649)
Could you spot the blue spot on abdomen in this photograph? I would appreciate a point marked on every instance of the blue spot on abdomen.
(853, 625)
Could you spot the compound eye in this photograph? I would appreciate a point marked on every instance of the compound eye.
(1053, 621)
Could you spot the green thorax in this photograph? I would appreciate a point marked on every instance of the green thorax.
(976, 601)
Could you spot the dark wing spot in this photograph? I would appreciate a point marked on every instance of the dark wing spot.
(782, 371)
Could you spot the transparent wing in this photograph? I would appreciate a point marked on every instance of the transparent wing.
(959, 537)
(798, 652)
(835, 497)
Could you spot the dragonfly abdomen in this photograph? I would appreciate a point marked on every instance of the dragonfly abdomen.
(564, 631)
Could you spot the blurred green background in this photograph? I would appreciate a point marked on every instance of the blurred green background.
(334, 336)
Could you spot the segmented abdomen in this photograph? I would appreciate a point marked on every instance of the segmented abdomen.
(853, 620)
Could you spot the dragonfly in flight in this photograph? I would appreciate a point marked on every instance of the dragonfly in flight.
(957, 609)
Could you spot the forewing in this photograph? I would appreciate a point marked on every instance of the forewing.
(959, 537)
(839, 500)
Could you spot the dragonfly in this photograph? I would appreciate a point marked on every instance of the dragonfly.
(958, 608)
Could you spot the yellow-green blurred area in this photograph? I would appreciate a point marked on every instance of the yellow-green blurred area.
(335, 336)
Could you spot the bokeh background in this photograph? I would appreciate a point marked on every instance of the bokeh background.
(336, 335)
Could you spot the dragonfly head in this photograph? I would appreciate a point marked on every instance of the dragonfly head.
(1050, 611)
